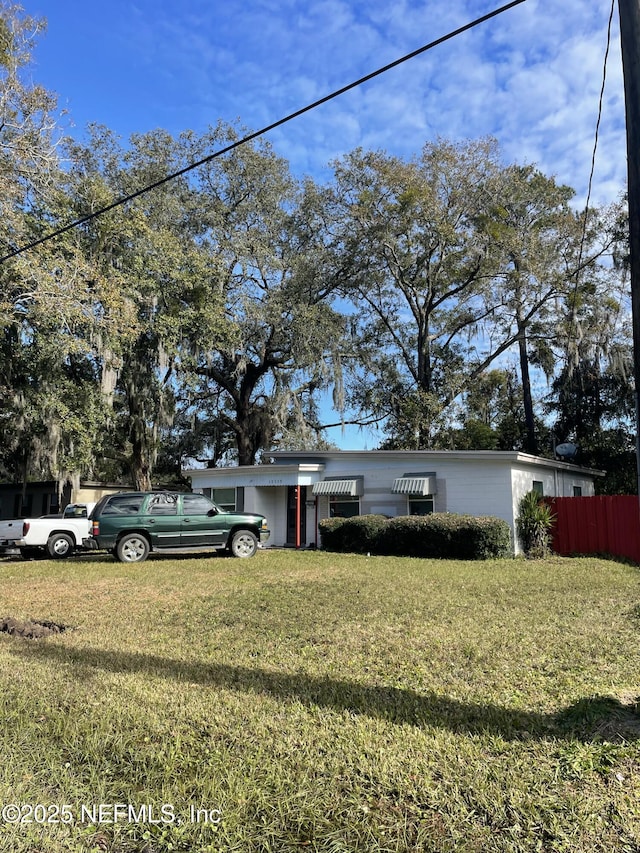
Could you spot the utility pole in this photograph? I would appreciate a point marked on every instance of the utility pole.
(630, 40)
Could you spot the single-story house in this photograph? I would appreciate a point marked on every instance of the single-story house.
(295, 490)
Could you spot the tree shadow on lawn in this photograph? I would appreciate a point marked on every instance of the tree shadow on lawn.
(595, 718)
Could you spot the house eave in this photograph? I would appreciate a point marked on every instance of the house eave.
(282, 457)
(292, 474)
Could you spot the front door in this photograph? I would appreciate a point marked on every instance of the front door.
(296, 503)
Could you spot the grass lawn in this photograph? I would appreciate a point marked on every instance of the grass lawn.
(321, 702)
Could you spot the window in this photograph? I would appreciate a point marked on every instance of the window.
(343, 506)
(163, 505)
(123, 504)
(196, 505)
(75, 511)
(577, 491)
(537, 486)
(226, 499)
(22, 507)
(421, 505)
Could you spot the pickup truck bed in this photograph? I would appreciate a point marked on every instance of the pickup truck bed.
(57, 537)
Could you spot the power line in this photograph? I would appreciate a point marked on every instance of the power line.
(249, 137)
(573, 328)
(600, 106)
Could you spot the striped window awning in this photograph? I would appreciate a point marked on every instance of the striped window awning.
(414, 484)
(351, 488)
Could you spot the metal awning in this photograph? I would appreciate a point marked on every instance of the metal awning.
(352, 488)
(413, 484)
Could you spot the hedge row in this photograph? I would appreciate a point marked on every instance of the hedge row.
(441, 535)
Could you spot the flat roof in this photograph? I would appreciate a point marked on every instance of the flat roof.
(315, 460)
(478, 455)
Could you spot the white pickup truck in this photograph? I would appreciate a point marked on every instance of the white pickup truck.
(57, 536)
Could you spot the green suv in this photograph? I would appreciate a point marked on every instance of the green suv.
(131, 524)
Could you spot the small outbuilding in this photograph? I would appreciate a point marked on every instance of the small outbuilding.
(296, 489)
(50, 497)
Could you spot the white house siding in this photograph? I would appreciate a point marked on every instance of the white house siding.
(476, 487)
(269, 501)
(379, 472)
(558, 482)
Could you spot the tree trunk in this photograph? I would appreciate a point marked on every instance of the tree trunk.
(140, 467)
(246, 450)
(142, 455)
(531, 445)
(141, 479)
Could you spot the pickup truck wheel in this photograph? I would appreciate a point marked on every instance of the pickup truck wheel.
(60, 545)
(132, 548)
(244, 544)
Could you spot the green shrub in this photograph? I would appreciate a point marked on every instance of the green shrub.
(358, 535)
(492, 538)
(440, 535)
(416, 536)
(447, 536)
(534, 525)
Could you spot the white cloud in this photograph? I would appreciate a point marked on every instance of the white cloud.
(531, 76)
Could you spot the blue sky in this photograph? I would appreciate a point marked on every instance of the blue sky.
(531, 77)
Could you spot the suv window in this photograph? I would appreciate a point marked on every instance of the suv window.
(123, 505)
(163, 505)
(197, 504)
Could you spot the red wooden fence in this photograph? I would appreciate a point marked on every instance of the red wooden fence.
(604, 524)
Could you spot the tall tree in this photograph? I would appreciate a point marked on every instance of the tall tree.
(592, 393)
(281, 331)
(164, 278)
(536, 239)
(415, 259)
(452, 261)
(490, 415)
(41, 429)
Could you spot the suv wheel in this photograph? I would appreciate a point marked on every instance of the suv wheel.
(244, 544)
(60, 545)
(132, 548)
